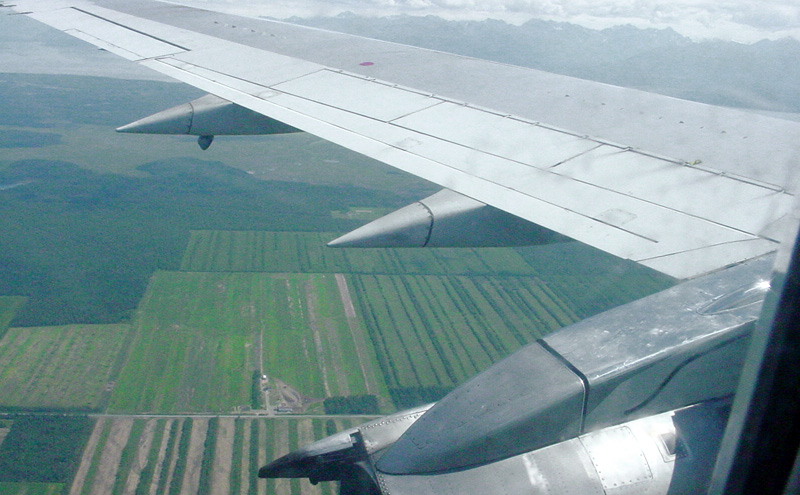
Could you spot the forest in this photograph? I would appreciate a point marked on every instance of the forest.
(43, 449)
(354, 404)
(81, 245)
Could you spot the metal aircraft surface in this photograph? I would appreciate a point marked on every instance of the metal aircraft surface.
(634, 400)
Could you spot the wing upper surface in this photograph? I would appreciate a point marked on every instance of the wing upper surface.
(509, 149)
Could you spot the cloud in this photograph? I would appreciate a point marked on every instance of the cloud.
(738, 20)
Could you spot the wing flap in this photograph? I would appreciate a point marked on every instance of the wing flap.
(696, 261)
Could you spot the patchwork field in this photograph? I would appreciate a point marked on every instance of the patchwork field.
(69, 367)
(200, 337)
(318, 322)
(403, 325)
(434, 317)
(247, 251)
(209, 455)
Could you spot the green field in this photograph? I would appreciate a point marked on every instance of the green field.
(8, 308)
(60, 368)
(31, 488)
(433, 330)
(131, 226)
(434, 316)
(269, 302)
(589, 280)
(196, 455)
(261, 251)
(198, 340)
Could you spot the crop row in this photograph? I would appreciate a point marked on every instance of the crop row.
(59, 368)
(305, 252)
(156, 455)
(589, 280)
(436, 331)
(203, 339)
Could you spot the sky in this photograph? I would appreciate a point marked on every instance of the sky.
(27, 46)
(730, 20)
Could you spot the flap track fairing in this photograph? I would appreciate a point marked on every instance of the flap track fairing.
(206, 117)
(448, 219)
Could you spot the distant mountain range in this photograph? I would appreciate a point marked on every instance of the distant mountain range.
(764, 75)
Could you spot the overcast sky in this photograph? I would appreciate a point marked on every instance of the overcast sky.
(27, 46)
(737, 20)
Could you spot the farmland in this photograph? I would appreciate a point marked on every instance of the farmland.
(59, 368)
(324, 322)
(199, 338)
(184, 253)
(431, 330)
(217, 455)
(8, 307)
(31, 488)
(435, 317)
(43, 448)
(40, 453)
(130, 227)
(590, 280)
(263, 251)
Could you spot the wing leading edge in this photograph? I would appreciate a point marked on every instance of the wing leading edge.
(679, 217)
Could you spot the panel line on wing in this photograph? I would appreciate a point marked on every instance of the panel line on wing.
(438, 136)
(639, 197)
(167, 42)
(562, 162)
(116, 38)
(255, 89)
(708, 246)
(117, 50)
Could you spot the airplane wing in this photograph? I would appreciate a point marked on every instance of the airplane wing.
(683, 188)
